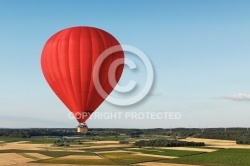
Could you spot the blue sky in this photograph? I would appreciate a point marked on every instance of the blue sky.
(199, 49)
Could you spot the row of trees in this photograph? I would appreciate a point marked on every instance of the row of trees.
(243, 141)
(14, 133)
(240, 134)
(27, 133)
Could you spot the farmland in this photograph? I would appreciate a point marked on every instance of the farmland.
(106, 150)
(222, 156)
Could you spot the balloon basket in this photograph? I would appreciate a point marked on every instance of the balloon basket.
(82, 128)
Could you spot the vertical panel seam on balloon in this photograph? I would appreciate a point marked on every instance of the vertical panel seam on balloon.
(75, 89)
(91, 54)
(61, 75)
(104, 45)
(107, 80)
(80, 71)
(71, 85)
(63, 87)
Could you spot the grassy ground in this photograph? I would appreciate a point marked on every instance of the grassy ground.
(127, 158)
(105, 149)
(120, 158)
(11, 139)
(78, 161)
(34, 140)
(89, 144)
(166, 152)
(100, 138)
(47, 153)
(223, 157)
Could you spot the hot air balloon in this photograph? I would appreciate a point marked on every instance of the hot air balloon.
(67, 62)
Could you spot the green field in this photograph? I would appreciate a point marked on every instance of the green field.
(34, 140)
(120, 158)
(166, 152)
(78, 161)
(104, 149)
(222, 157)
(126, 158)
(225, 157)
(47, 153)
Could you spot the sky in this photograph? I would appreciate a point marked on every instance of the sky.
(199, 51)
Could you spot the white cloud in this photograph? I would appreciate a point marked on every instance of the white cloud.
(237, 97)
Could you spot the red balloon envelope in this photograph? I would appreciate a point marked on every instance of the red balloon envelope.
(67, 62)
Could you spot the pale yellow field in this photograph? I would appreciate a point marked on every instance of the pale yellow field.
(138, 153)
(38, 155)
(23, 145)
(152, 155)
(104, 142)
(43, 164)
(12, 159)
(112, 151)
(106, 146)
(216, 143)
(80, 157)
(22, 142)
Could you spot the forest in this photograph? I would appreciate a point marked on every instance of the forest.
(240, 135)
